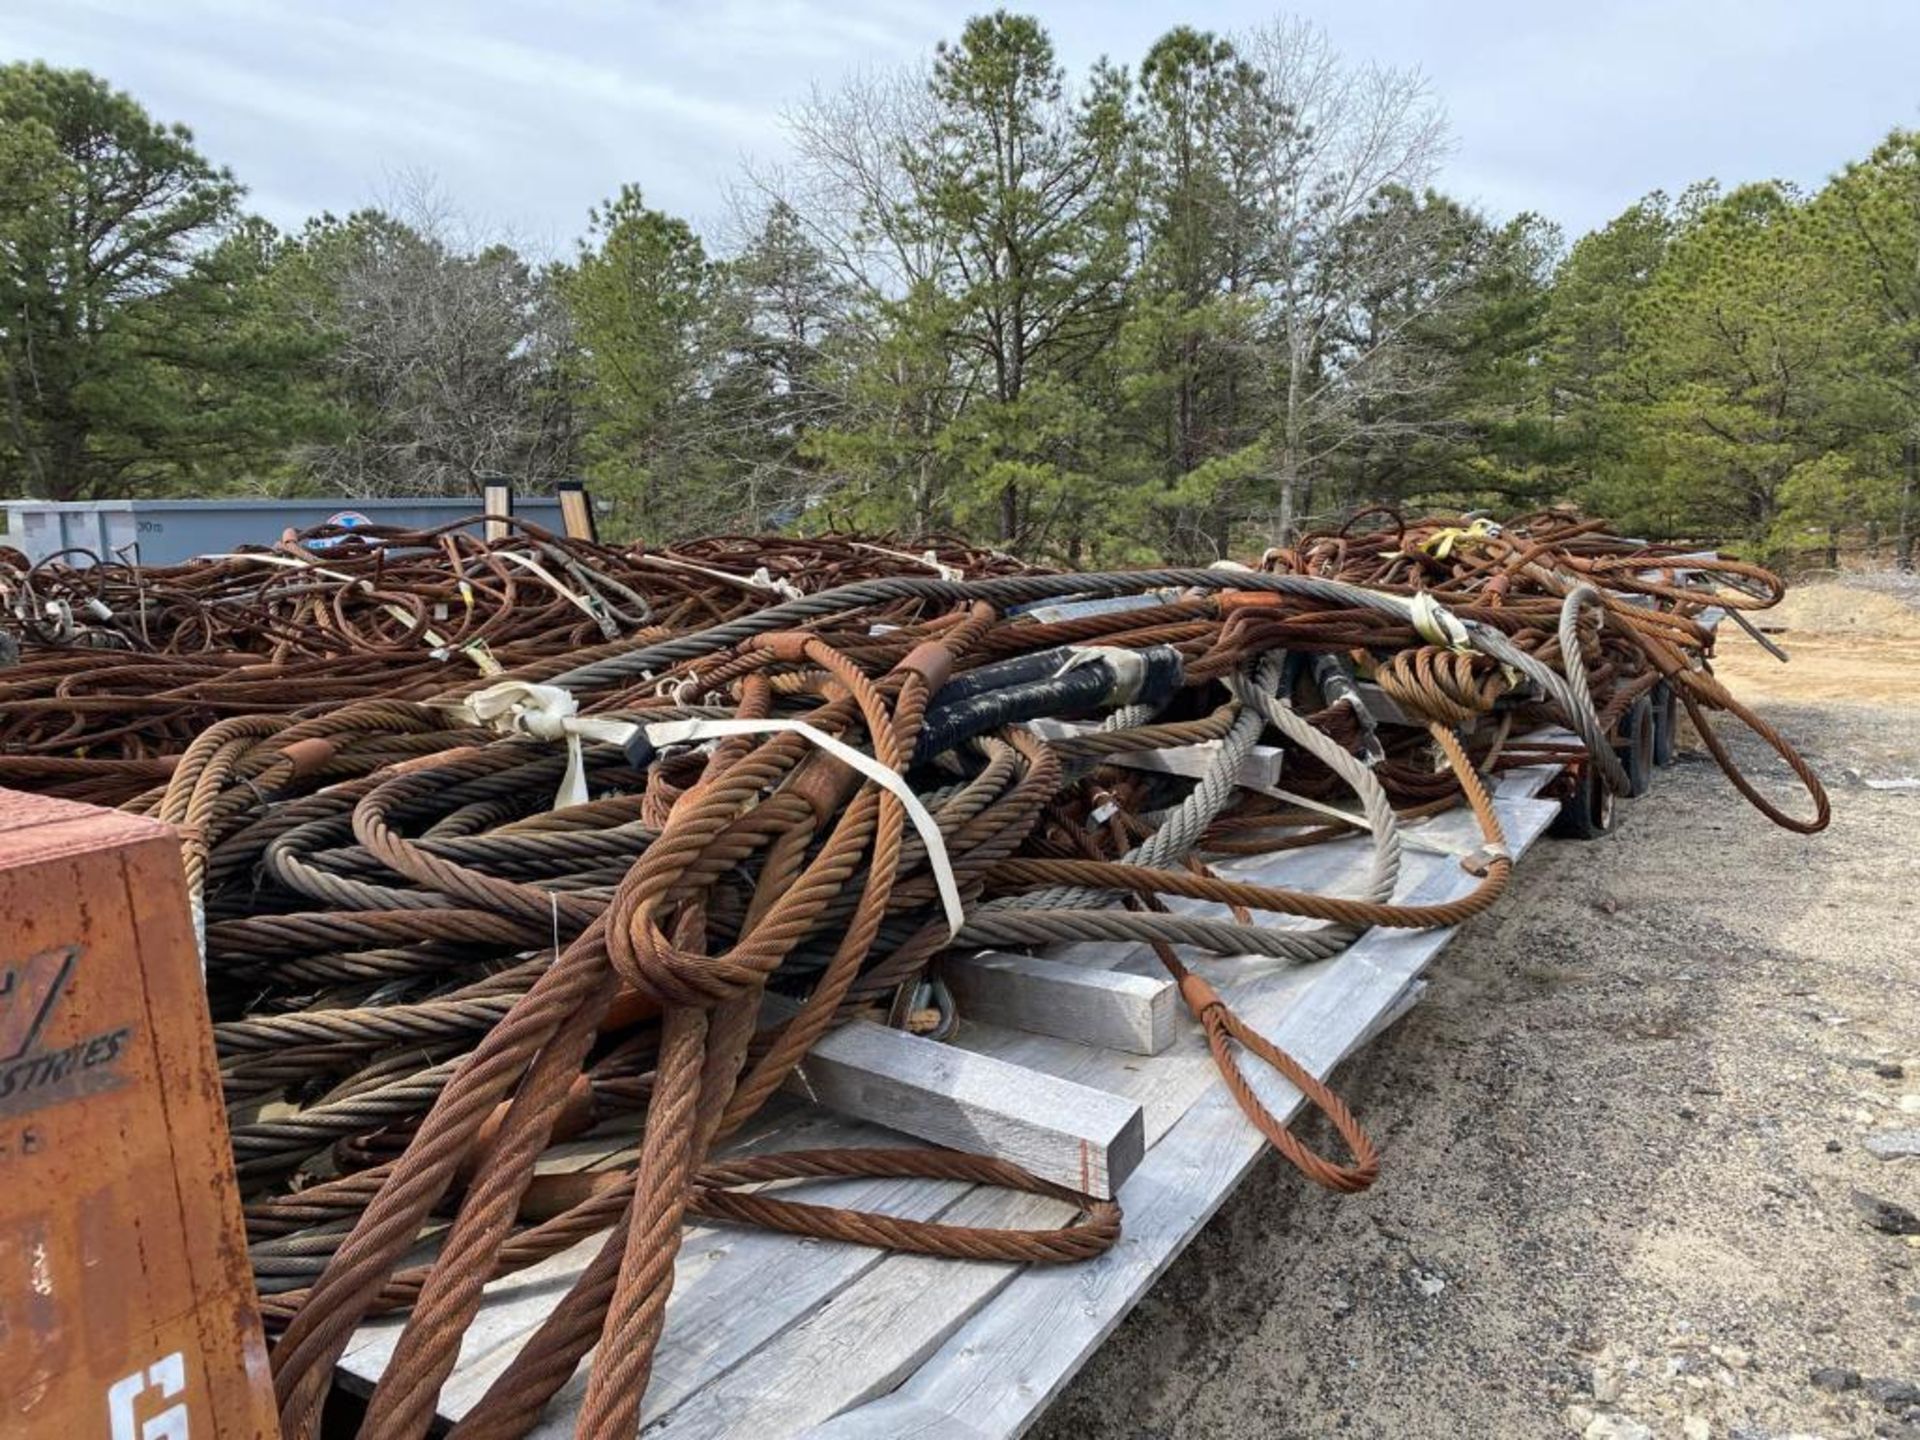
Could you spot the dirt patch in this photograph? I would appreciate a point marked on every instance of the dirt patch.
(1621, 1139)
(1834, 669)
(1851, 642)
(1867, 606)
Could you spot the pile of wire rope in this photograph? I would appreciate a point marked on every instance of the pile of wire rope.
(334, 615)
(622, 885)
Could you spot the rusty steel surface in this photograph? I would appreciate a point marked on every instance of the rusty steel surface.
(127, 1306)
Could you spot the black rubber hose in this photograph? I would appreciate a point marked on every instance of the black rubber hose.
(1003, 674)
(1094, 683)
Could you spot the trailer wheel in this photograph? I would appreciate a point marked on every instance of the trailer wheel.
(1666, 716)
(1637, 734)
(1587, 813)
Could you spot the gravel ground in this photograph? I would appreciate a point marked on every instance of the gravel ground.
(1624, 1141)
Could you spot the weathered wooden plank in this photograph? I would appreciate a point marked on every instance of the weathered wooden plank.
(734, 1289)
(1389, 1017)
(1527, 781)
(1134, 1013)
(1009, 1360)
(744, 1289)
(894, 1419)
(804, 1379)
(901, 1312)
(746, 1304)
(1071, 1134)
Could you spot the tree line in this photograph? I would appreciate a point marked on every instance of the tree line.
(1175, 309)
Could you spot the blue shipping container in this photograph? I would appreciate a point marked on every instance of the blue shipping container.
(166, 532)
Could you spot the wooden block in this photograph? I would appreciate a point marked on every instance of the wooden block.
(499, 507)
(1070, 1134)
(1260, 768)
(127, 1305)
(576, 510)
(1099, 1007)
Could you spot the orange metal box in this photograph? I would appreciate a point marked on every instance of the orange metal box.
(127, 1309)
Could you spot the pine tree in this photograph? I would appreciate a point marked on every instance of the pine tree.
(130, 287)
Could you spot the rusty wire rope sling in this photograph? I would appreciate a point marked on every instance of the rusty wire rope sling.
(638, 1316)
(488, 821)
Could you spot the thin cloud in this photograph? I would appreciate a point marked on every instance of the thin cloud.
(527, 115)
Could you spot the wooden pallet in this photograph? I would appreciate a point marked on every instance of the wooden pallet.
(1089, 1071)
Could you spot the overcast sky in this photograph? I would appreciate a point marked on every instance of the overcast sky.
(528, 113)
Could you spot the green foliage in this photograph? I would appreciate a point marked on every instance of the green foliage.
(646, 308)
(1022, 194)
(1728, 365)
(139, 346)
(1100, 318)
(1867, 223)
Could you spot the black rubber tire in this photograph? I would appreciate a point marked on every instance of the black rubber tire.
(1636, 747)
(1666, 717)
(1587, 814)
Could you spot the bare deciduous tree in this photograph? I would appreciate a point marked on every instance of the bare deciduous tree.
(450, 354)
(1342, 138)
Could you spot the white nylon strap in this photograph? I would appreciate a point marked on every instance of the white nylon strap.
(927, 558)
(1129, 667)
(761, 579)
(546, 712)
(675, 732)
(549, 712)
(1437, 624)
(599, 617)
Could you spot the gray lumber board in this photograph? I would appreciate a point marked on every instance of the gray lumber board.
(1069, 1133)
(739, 1293)
(884, 1317)
(734, 1289)
(768, 1395)
(1134, 1013)
(895, 1419)
(1003, 1366)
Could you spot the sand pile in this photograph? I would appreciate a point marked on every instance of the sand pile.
(1844, 607)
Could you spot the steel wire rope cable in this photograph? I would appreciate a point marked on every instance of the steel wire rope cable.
(344, 861)
(1698, 691)
(1056, 915)
(1699, 688)
(1374, 909)
(299, 1334)
(1561, 689)
(1177, 839)
(1551, 557)
(547, 1364)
